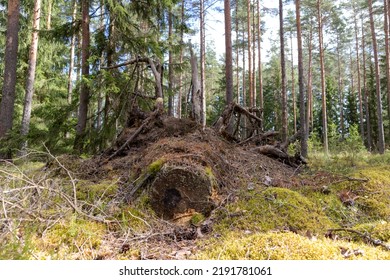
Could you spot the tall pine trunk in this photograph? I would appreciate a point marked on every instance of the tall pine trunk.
(309, 110)
(202, 63)
(381, 138)
(32, 63)
(9, 82)
(84, 92)
(260, 70)
(283, 69)
(359, 86)
(365, 91)
(180, 94)
(170, 65)
(250, 72)
(228, 53)
(293, 85)
(323, 85)
(71, 59)
(302, 119)
(386, 30)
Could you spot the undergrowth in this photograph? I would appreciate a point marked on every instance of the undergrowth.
(55, 215)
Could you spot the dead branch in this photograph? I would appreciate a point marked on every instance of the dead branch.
(367, 239)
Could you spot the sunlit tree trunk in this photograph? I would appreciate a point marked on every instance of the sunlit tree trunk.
(72, 58)
(359, 86)
(228, 52)
(386, 30)
(365, 91)
(293, 85)
(170, 66)
(32, 63)
(49, 14)
(202, 63)
(309, 113)
(250, 72)
(283, 69)
(323, 86)
(381, 138)
(260, 71)
(180, 94)
(302, 119)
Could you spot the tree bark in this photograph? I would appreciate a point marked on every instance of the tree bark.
(32, 63)
(196, 96)
(387, 48)
(228, 53)
(84, 93)
(302, 118)
(284, 133)
(71, 59)
(180, 94)
(250, 72)
(365, 91)
(10, 63)
(359, 86)
(202, 64)
(323, 85)
(381, 138)
(293, 86)
(261, 99)
(170, 66)
(49, 14)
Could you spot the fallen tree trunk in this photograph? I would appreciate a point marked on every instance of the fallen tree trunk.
(179, 190)
(280, 155)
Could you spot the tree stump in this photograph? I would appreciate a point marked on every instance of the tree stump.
(179, 189)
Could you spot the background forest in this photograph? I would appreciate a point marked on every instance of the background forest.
(77, 74)
(127, 133)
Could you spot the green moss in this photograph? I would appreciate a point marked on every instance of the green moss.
(72, 236)
(377, 230)
(197, 218)
(86, 191)
(155, 166)
(284, 246)
(275, 208)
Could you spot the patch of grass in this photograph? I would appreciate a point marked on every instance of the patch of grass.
(71, 237)
(285, 246)
(274, 208)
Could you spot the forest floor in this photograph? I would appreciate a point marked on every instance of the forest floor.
(67, 207)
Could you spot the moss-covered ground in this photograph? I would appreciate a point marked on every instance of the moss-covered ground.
(57, 216)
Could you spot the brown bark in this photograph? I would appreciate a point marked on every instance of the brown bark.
(180, 94)
(32, 63)
(283, 72)
(196, 95)
(309, 114)
(302, 118)
(387, 48)
(228, 53)
(202, 64)
(323, 85)
(10, 63)
(340, 90)
(381, 138)
(250, 72)
(359, 86)
(261, 99)
(170, 66)
(84, 92)
(293, 86)
(365, 91)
